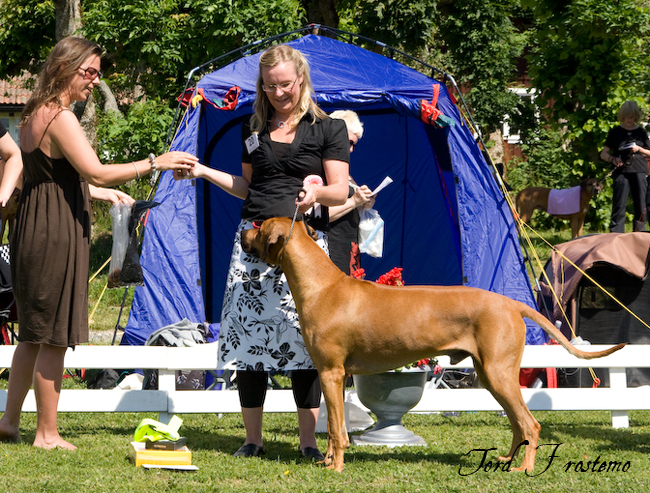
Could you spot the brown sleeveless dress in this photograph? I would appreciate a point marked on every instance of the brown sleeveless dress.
(50, 252)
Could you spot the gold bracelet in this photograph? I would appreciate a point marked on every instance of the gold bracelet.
(136, 169)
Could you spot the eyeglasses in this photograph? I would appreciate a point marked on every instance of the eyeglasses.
(284, 86)
(90, 73)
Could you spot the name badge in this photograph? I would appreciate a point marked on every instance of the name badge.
(252, 143)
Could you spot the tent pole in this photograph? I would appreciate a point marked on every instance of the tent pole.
(119, 317)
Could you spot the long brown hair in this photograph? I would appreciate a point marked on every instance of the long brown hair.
(57, 71)
(263, 109)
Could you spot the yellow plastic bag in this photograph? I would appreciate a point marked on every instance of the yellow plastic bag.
(152, 430)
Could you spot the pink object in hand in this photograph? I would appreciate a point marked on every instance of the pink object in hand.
(312, 180)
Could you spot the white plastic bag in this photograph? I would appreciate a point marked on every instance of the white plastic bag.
(371, 232)
(121, 214)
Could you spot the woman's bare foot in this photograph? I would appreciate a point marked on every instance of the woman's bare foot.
(57, 443)
(9, 434)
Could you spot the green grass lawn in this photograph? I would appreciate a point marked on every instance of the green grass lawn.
(101, 463)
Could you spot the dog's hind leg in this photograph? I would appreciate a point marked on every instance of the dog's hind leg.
(504, 387)
(332, 383)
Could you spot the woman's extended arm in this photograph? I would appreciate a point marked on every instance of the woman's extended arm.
(362, 197)
(66, 134)
(110, 195)
(606, 156)
(234, 185)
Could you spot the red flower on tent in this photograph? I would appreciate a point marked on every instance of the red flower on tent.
(392, 277)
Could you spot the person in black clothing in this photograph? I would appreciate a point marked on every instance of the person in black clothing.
(288, 139)
(343, 234)
(627, 148)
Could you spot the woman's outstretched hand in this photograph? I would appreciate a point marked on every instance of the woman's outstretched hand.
(195, 171)
(176, 160)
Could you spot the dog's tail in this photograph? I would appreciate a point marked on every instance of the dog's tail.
(552, 331)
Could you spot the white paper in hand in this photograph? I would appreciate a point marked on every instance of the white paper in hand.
(387, 181)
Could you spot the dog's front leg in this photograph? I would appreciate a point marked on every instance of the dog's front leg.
(332, 381)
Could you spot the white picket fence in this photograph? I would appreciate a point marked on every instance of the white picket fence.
(619, 399)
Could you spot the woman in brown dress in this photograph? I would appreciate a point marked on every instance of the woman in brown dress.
(51, 241)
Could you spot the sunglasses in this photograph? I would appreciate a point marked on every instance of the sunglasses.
(353, 144)
(91, 73)
(284, 86)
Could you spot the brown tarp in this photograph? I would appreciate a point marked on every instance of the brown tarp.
(626, 251)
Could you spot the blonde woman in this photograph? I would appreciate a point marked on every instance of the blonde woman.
(287, 139)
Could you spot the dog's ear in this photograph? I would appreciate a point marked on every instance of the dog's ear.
(311, 232)
(272, 247)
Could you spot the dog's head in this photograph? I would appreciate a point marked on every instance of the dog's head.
(592, 186)
(268, 241)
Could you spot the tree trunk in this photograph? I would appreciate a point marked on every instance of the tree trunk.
(497, 151)
(68, 23)
(110, 103)
(68, 18)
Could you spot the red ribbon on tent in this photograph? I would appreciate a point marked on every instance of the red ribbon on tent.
(229, 102)
(428, 111)
(432, 115)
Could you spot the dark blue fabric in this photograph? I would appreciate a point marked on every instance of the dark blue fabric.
(446, 221)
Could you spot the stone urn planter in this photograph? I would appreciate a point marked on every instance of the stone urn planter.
(390, 396)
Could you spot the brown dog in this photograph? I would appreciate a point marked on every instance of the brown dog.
(354, 326)
(533, 198)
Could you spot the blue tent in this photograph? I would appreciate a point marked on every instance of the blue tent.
(446, 221)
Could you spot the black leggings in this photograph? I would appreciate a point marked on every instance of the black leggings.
(623, 184)
(252, 388)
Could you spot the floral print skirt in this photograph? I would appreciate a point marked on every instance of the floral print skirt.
(259, 323)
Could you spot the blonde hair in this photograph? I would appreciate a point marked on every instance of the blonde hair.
(630, 108)
(61, 65)
(263, 110)
(351, 120)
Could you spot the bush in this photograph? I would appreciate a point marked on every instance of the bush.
(125, 139)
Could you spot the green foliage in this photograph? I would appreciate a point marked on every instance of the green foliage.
(484, 45)
(404, 24)
(124, 139)
(142, 38)
(545, 164)
(585, 67)
(133, 137)
(155, 43)
(26, 34)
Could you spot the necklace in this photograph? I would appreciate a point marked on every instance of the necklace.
(284, 123)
